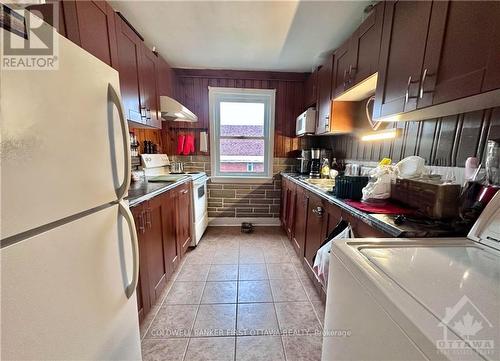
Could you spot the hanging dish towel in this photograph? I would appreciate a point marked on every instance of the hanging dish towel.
(203, 142)
(322, 258)
(188, 144)
(180, 143)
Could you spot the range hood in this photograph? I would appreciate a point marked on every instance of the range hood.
(171, 109)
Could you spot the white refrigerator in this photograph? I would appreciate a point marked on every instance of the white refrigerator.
(69, 256)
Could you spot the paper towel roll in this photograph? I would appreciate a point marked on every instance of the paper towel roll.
(203, 142)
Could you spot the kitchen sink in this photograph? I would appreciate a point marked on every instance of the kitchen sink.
(322, 183)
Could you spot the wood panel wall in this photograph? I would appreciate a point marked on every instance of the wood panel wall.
(448, 140)
(192, 91)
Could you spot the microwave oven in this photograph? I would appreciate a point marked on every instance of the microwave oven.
(306, 122)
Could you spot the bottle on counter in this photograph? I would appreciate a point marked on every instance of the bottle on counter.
(325, 169)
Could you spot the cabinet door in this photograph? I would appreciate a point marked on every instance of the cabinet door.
(149, 87)
(299, 234)
(129, 54)
(91, 25)
(166, 78)
(143, 299)
(284, 202)
(311, 89)
(365, 45)
(332, 217)
(183, 206)
(402, 51)
(155, 251)
(47, 12)
(324, 96)
(457, 60)
(343, 64)
(171, 251)
(314, 236)
(290, 221)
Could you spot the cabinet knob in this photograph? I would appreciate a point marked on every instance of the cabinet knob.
(318, 211)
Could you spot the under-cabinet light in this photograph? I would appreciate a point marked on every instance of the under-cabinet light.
(381, 135)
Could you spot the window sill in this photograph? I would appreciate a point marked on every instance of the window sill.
(232, 179)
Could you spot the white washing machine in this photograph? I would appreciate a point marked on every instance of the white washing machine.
(416, 299)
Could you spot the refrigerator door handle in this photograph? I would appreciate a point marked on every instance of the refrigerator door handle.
(125, 212)
(122, 191)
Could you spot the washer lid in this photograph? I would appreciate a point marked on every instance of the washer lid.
(486, 230)
(458, 284)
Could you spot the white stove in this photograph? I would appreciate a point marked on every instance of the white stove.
(417, 299)
(156, 168)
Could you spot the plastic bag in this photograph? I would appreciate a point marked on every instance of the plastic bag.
(379, 186)
(410, 167)
(322, 260)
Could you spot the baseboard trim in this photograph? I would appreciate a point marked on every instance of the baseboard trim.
(231, 221)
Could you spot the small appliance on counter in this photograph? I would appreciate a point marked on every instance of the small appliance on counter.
(315, 163)
(306, 122)
(305, 161)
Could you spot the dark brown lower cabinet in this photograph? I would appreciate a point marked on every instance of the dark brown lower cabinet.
(143, 301)
(301, 207)
(314, 234)
(163, 228)
(183, 220)
(314, 218)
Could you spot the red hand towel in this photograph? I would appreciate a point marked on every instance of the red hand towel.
(180, 143)
(189, 144)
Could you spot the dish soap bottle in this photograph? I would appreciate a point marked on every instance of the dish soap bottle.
(325, 169)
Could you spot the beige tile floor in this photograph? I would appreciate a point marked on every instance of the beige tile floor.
(237, 297)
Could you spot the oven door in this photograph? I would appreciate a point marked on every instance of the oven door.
(200, 214)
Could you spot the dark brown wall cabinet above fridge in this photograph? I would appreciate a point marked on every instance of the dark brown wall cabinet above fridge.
(138, 68)
(438, 58)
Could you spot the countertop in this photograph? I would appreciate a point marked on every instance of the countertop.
(143, 190)
(382, 222)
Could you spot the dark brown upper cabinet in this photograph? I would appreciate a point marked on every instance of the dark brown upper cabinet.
(438, 53)
(463, 51)
(129, 58)
(166, 78)
(365, 45)
(404, 37)
(343, 60)
(323, 105)
(311, 89)
(358, 57)
(149, 87)
(138, 68)
(91, 25)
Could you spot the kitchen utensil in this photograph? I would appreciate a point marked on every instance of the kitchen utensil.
(176, 167)
(349, 187)
(493, 162)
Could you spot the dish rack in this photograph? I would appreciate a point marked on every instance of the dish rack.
(349, 187)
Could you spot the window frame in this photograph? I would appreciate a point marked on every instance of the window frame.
(217, 95)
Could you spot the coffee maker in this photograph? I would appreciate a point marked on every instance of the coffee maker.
(315, 163)
(305, 161)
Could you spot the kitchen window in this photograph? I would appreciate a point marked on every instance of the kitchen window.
(241, 134)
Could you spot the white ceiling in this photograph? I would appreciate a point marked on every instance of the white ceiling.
(243, 35)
